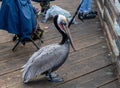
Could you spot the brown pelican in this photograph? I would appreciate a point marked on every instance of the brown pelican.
(51, 57)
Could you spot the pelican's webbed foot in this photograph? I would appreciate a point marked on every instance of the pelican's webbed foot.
(54, 77)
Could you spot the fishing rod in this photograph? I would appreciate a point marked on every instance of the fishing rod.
(75, 14)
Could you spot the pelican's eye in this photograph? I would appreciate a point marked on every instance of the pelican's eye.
(63, 23)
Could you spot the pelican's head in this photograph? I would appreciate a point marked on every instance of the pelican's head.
(61, 23)
(62, 18)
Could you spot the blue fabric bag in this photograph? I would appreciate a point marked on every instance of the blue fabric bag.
(18, 17)
(42, 0)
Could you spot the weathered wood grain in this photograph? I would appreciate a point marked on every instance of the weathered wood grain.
(21, 58)
(113, 84)
(92, 80)
(88, 67)
(68, 72)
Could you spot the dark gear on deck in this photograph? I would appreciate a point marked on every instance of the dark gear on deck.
(90, 15)
(45, 5)
(18, 17)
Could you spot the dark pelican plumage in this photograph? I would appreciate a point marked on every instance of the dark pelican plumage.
(49, 58)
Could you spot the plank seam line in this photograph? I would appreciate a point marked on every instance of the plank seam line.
(83, 47)
(71, 64)
(10, 71)
(108, 83)
(102, 42)
(84, 74)
(71, 55)
(87, 58)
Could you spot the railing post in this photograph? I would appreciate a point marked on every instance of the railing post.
(109, 15)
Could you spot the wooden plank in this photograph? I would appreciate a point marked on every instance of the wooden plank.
(5, 37)
(76, 38)
(110, 14)
(114, 8)
(100, 8)
(100, 12)
(22, 58)
(79, 64)
(110, 9)
(101, 3)
(82, 54)
(111, 28)
(118, 20)
(7, 47)
(109, 36)
(30, 48)
(19, 53)
(50, 32)
(74, 28)
(114, 36)
(108, 18)
(113, 84)
(92, 80)
(68, 72)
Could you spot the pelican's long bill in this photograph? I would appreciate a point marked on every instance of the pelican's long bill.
(71, 40)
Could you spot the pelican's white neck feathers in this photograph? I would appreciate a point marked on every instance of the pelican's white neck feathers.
(62, 19)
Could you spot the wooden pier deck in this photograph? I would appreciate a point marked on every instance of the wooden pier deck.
(89, 67)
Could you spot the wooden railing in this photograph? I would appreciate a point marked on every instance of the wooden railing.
(109, 15)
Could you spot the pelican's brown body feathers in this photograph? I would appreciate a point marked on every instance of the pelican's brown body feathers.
(49, 58)
(43, 61)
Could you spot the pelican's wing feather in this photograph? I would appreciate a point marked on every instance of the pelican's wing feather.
(32, 58)
(50, 57)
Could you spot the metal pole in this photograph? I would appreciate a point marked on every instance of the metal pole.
(75, 14)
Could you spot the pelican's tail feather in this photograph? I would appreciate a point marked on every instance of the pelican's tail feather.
(28, 73)
(31, 73)
(23, 66)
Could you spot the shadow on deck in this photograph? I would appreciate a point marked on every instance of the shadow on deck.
(88, 67)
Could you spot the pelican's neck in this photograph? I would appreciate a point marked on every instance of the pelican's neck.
(64, 39)
(64, 35)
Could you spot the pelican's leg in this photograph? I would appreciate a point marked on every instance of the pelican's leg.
(54, 77)
(52, 74)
